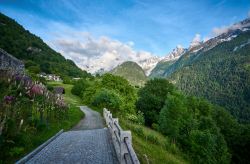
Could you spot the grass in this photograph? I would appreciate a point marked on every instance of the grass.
(68, 96)
(33, 138)
(151, 146)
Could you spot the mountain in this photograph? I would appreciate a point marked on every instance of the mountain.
(167, 61)
(132, 72)
(160, 68)
(218, 70)
(37, 55)
(149, 64)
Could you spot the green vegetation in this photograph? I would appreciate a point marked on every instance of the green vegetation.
(220, 75)
(151, 146)
(152, 98)
(160, 68)
(37, 56)
(70, 98)
(30, 115)
(108, 91)
(132, 72)
(191, 129)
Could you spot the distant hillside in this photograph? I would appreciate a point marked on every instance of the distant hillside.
(130, 71)
(160, 68)
(37, 55)
(218, 70)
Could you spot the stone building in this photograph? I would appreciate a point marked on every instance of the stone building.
(9, 62)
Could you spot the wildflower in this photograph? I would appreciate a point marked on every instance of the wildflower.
(18, 77)
(36, 90)
(8, 99)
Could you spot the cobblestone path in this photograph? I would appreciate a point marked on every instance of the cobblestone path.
(79, 145)
(92, 120)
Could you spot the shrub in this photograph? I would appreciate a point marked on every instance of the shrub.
(108, 99)
(138, 119)
(152, 138)
(139, 131)
(79, 87)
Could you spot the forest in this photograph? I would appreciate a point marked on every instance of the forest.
(206, 133)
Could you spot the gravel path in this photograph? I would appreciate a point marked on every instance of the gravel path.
(80, 145)
(92, 120)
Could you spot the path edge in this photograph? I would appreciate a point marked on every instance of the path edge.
(39, 148)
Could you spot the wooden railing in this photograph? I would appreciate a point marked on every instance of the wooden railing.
(122, 140)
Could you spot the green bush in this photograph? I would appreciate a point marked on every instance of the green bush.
(108, 99)
(139, 131)
(79, 87)
(152, 138)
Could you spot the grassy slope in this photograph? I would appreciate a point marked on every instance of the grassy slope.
(74, 117)
(150, 146)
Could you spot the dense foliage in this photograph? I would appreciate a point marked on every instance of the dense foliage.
(152, 98)
(220, 74)
(205, 132)
(160, 68)
(108, 91)
(132, 72)
(37, 56)
(27, 107)
(189, 122)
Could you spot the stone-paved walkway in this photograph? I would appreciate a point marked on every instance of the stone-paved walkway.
(82, 146)
(92, 120)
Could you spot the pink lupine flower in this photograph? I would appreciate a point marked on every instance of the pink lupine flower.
(36, 90)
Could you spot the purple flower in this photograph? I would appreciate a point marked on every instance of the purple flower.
(18, 77)
(8, 99)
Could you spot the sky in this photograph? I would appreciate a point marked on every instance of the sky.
(90, 31)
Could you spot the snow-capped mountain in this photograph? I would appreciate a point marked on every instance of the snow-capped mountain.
(149, 64)
(175, 54)
(227, 35)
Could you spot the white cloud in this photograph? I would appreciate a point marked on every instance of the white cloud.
(224, 29)
(93, 54)
(196, 41)
(197, 38)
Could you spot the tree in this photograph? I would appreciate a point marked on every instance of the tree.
(152, 98)
(107, 99)
(189, 123)
(123, 88)
(79, 87)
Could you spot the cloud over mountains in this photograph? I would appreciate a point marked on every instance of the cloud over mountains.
(103, 53)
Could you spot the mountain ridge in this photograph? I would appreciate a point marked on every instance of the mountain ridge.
(37, 55)
(218, 70)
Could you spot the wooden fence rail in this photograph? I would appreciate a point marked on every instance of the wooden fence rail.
(122, 140)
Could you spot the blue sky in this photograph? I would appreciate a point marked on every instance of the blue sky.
(155, 26)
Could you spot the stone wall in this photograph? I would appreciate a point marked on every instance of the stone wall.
(9, 62)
